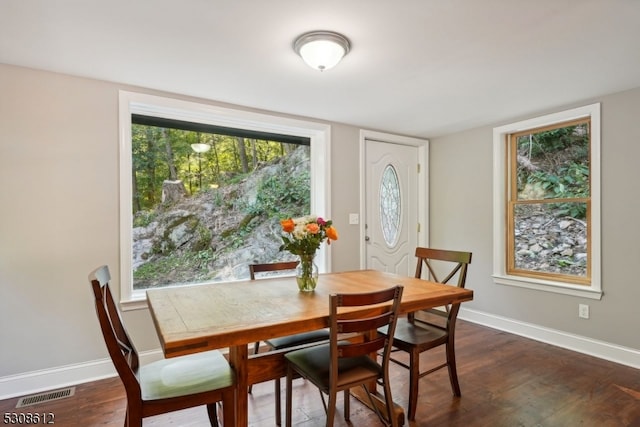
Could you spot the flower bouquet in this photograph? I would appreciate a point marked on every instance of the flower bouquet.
(302, 237)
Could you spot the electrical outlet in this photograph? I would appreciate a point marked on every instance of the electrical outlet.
(583, 311)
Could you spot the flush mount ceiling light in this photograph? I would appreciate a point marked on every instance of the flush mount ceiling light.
(322, 49)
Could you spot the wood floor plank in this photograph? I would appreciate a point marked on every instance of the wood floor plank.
(506, 380)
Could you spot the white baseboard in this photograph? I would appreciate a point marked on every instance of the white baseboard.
(50, 379)
(63, 376)
(601, 349)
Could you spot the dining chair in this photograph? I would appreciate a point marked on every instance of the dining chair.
(269, 268)
(288, 341)
(167, 385)
(342, 364)
(427, 329)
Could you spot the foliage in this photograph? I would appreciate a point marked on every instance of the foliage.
(160, 154)
(178, 265)
(281, 195)
(556, 162)
(556, 140)
(571, 181)
(143, 218)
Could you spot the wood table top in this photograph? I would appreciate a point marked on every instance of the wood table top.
(219, 315)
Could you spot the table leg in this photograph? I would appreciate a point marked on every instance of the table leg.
(378, 400)
(238, 357)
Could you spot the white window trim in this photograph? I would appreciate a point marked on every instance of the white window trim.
(138, 103)
(500, 276)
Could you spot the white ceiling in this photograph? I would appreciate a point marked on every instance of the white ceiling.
(417, 67)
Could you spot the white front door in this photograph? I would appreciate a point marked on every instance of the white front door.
(395, 203)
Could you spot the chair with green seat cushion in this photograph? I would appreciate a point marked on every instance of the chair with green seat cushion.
(288, 341)
(427, 329)
(197, 373)
(167, 385)
(341, 364)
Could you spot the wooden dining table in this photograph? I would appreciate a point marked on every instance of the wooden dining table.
(190, 319)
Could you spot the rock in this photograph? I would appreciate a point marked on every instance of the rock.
(544, 243)
(567, 252)
(564, 224)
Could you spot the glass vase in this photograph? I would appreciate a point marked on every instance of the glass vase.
(307, 273)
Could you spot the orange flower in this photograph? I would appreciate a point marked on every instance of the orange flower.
(313, 228)
(287, 225)
(332, 233)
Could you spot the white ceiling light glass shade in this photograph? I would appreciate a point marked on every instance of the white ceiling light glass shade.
(200, 148)
(322, 49)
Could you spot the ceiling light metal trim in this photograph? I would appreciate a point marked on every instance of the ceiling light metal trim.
(336, 40)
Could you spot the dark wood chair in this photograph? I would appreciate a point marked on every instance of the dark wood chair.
(343, 364)
(427, 329)
(289, 341)
(167, 385)
(269, 268)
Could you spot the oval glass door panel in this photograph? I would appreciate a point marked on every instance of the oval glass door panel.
(390, 205)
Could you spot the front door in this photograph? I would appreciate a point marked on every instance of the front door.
(392, 205)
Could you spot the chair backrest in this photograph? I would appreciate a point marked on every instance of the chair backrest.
(442, 267)
(269, 267)
(378, 314)
(458, 263)
(121, 349)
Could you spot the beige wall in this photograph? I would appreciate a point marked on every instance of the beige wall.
(59, 219)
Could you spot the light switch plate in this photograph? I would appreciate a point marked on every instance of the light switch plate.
(354, 219)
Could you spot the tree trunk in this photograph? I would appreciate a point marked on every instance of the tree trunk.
(173, 174)
(243, 155)
(172, 191)
(254, 154)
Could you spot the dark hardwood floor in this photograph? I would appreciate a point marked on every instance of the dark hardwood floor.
(506, 380)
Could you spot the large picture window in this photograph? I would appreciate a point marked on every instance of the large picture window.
(198, 181)
(547, 203)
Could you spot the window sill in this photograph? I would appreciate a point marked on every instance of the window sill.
(549, 286)
(137, 301)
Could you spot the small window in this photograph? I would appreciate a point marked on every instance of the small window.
(547, 203)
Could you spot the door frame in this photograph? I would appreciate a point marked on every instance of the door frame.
(423, 183)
